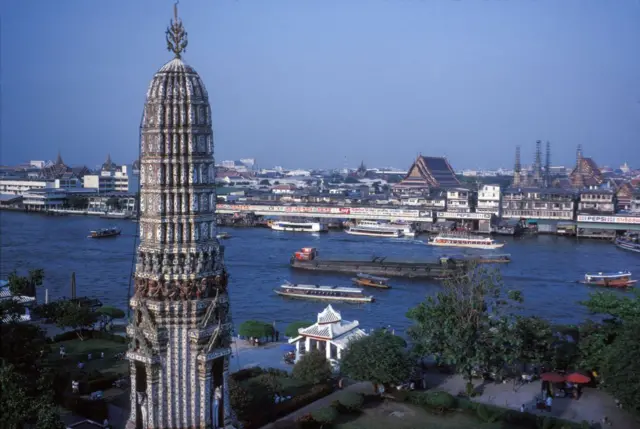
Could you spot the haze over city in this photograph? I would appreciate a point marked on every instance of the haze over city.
(324, 84)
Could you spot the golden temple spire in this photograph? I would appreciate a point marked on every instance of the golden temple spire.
(176, 36)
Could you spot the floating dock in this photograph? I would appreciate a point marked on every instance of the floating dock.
(308, 259)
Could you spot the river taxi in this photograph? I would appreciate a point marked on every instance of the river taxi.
(223, 236)
(621, 279)
(105, 232)
(629, 241)
(464, 240)
(323, 293)
(371, 281)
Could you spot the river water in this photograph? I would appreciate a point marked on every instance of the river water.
(544, 268)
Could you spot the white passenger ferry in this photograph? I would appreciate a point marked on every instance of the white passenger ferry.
(406, 229)
(464, 240)
(323, 293)
(374, 229)
(299, 226)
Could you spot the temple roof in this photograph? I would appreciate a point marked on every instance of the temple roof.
(108, 164)
(430, 171)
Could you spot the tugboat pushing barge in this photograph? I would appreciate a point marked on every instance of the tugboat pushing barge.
(307, 259)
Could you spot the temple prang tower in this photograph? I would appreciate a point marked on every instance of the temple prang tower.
(180, 332)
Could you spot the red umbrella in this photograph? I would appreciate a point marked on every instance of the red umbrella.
(578, 378)
(553, 377)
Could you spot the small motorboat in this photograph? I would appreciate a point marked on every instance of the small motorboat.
(621, 279)
(371, 281)
(105, 232)
(223, 236)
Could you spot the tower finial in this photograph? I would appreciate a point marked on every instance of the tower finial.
(176, 36)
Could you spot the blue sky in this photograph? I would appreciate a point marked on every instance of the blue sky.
(310, 83)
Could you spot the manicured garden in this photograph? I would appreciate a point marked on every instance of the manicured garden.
(411, 410)
(260, 396)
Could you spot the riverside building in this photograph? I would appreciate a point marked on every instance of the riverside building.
(538, 203)
(180, 330)
(490, 200)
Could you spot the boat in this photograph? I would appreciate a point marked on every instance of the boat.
(223, 236)
(371, 281)
(453, 239)
(298, 226)
(406, 229)
(105, 232)
(115, 215)
(324, 293)
(374, 228)
(629, 241)
(621, 279)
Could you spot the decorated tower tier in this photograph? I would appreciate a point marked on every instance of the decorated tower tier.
(181, 326)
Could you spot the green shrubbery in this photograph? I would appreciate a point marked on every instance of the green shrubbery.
(325, 416)
(351, 401)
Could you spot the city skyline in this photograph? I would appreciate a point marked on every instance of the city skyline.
(297, 85)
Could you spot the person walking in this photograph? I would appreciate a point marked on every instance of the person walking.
(549, 403)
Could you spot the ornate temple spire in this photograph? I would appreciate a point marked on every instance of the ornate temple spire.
(579, 177)
(176, 35)
(517, 168)
(547, 167)
(59, 159)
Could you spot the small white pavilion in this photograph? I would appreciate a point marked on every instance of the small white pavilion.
(330, 334)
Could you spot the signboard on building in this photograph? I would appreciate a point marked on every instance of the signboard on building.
(609, 219)
(464, 215)
(326, 210)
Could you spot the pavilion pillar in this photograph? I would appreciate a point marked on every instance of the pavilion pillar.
(307, 344)
(297, 350)
(339, 354)
(328, 350)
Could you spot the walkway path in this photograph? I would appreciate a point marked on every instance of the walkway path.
(592, 406)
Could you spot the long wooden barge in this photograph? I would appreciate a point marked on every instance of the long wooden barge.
(308, 259)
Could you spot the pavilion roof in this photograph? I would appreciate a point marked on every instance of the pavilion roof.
(330, 331)
(329, 315)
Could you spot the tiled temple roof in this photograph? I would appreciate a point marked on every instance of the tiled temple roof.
(428, 171)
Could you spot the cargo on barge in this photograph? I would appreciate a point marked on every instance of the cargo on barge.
(308, 259)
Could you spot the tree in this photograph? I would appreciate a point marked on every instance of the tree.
(464, 325)
(75, 316)
(265, 182)
(20, 285)
(255, 329)
(240, 399)
(108, 314)
(594, 340)
(292, 329)
(25, 388)
(22, 346)
(536, 340)
(621, 368)
(351, 179)
(312, 368)
(379, 358)
(618, 332)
